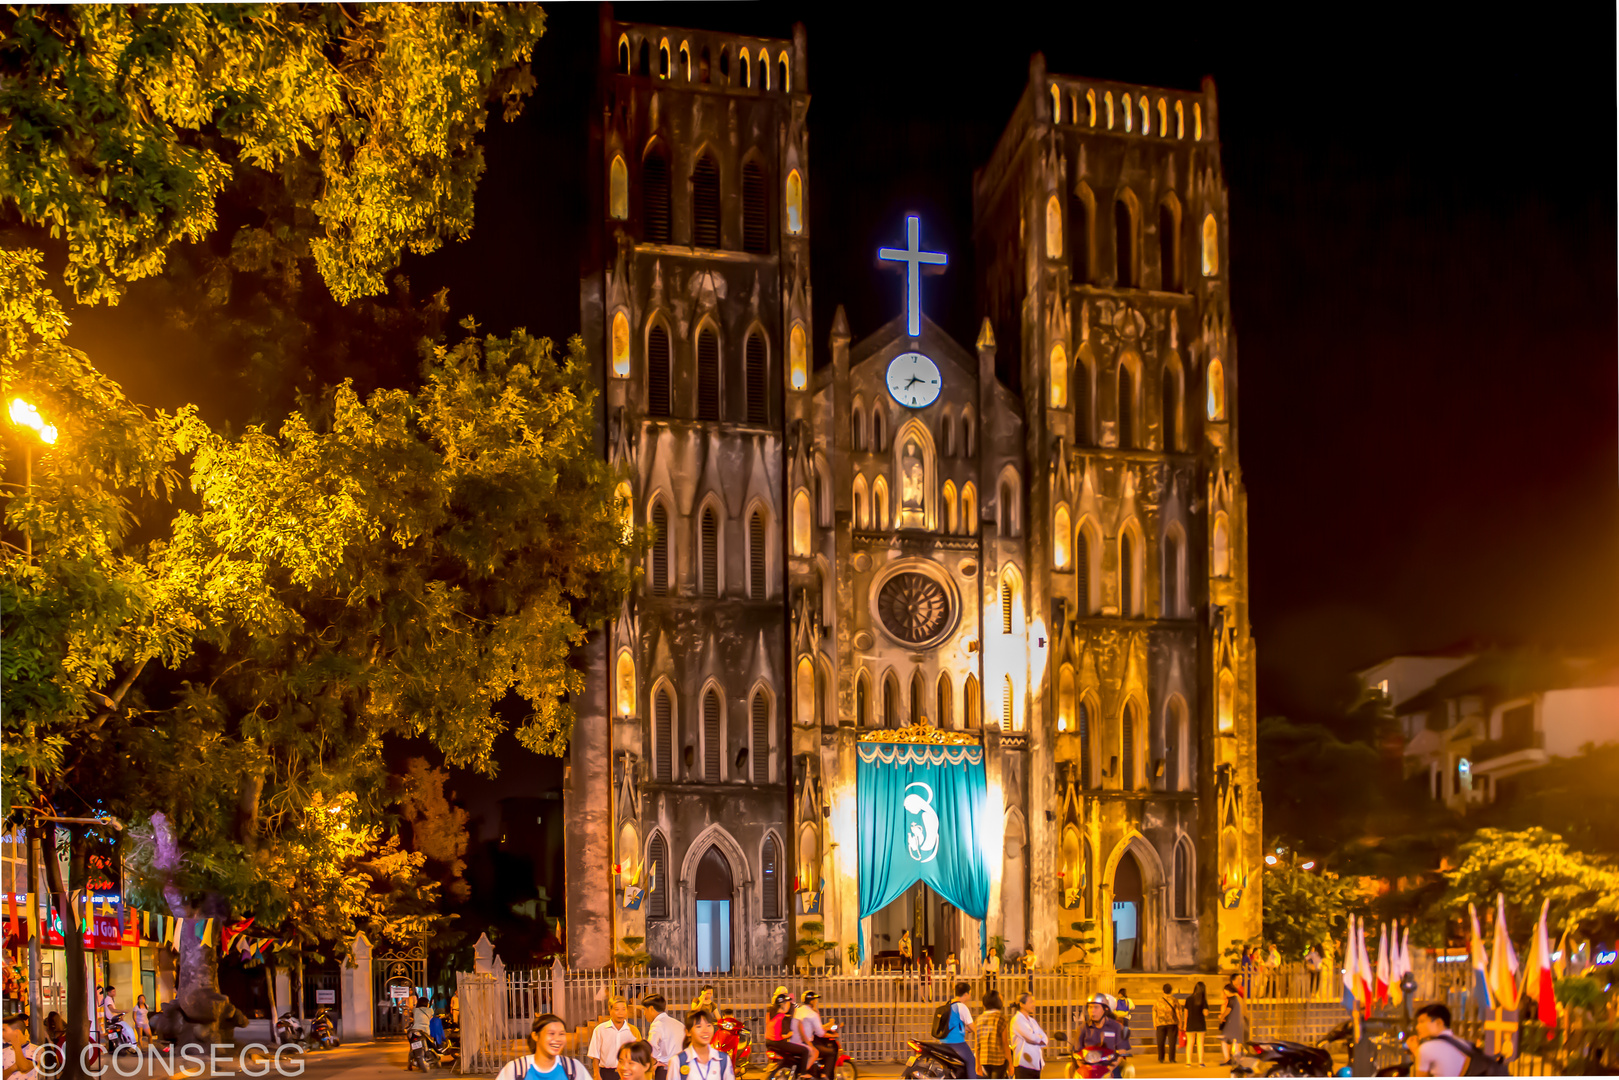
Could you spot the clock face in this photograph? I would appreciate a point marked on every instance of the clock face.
(914, 380)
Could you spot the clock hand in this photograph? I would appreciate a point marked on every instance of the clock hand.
(914, 380)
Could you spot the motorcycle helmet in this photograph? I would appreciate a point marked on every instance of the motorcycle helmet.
(811, 996)
(1099, 999)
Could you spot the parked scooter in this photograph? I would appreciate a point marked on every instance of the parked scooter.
(323, 1032)
(444, 1045)
(289, 1031)
(731, 1036)
(1285, 1058)
(933, 1061)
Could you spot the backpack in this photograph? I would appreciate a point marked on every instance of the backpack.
(684, 1059)
(1478, 1062)
(941, 1020)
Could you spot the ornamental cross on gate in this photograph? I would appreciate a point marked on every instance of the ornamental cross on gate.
(914, 259)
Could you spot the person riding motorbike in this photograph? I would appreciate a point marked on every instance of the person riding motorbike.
(779, 1032)
(808, 1032)
(1103, 1035)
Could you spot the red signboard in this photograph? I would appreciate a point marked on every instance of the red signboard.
(105, 931)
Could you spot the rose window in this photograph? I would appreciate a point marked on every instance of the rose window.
(914, 607)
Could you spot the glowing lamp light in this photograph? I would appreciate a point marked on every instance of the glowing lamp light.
(25, 415)
(1270, 860)
(1310, 865)
(1606, 957)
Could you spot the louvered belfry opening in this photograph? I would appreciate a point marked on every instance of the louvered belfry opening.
(758, 381)
(711, 552)
(663, 734)
(1006, 607)
(657, 371)
(1084, 745)
(655, 198)
(1127, 407)
(756, 555)
(708, 375)
(660, 550)
(761, 738)
(755, 209)
(1082, 571)
(711, 737)
(705, 203)
(1127, 759)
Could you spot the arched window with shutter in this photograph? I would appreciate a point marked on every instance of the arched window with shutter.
(663, 733)
(662, 551)
(857, 434)
(1127, 407)
(657, 370)
(705, 202)
(948, 496)
(1009, 706)
(708, 373)
(1081, 242)
(1006, 605)
(760, 717)
(757, 562)
(862, 701)
(1082, 571)
(758, 379)
(891, 717)
(618, 189)
(1083, 722)
(1185, 883)
(769, 880)
(755, 209)
(946, 715)
(1124, 243)
(1127, 747)
(657, 858)
(709, 538)
(972, 705)
(879, 429)
(655, 195)
(713, 739)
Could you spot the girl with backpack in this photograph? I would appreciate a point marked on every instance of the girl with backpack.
(544, 1060)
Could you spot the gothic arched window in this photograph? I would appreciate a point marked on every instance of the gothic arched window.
(760, 716)
(663, 734)
(662, 555)
(973, 705)
(1172, 408)
(655, 196)
(1169, 245)
(1185, 884)
(1009, 706)
(1127, 747)
(657, 858)
(862, 701)
(1211, 246)
(709, 538)
(891, 717)
(755, 209)
(712, 755)
(618, 189)
(758, 380)
(1129, 577)
(946, 717)
(795, 203)
(757, 563)
(1082, 571)
(1127, 407)
(705, 202)
(1082, 246)
(1124, 243)
(708, 374)
(770, 884)
(1086, 776)
(657, 370)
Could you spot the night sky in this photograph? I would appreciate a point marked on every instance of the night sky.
(1423, 279)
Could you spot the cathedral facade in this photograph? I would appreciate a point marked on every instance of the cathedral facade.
(900, 546)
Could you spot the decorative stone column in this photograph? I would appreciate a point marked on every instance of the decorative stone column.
(356, 992)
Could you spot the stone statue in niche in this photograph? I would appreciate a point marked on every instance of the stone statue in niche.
(912, 487)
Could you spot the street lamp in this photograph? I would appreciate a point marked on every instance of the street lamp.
(25, 415)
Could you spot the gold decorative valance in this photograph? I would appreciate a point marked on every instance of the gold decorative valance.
(921, 732)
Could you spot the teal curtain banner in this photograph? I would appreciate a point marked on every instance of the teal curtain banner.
(922, 819)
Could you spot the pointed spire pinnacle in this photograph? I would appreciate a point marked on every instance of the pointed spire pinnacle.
(986, 336)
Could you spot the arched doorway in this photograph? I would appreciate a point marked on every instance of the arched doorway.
(1129, 909)
(714, 891)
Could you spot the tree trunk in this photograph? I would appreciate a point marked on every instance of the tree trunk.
(78, 1006)
(198, 1014)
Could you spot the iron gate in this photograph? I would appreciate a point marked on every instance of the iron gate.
(400, 976)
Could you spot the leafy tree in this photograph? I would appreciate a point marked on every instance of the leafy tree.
(438, 829)
(1527, 867)
(1576, 797)
(126, 122)
(1307, 907)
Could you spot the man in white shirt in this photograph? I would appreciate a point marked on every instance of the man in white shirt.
(807, 1028)
(609, 1035)
(1028, 1041)
(666, 1034)
(1437, 1051)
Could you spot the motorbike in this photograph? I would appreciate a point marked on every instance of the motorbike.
(1081, 1064)
(933, 1061)
(731, 1036)
(832, 1064)
(323, 1032)
(1285, 1058)
(289, 1030)
(120, 1035)
(445, 1051)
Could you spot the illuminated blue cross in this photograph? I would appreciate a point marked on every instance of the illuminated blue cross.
(914, 259)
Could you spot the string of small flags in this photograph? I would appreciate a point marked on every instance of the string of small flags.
(158, 928)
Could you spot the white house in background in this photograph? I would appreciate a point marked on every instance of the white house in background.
(1472, 721)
